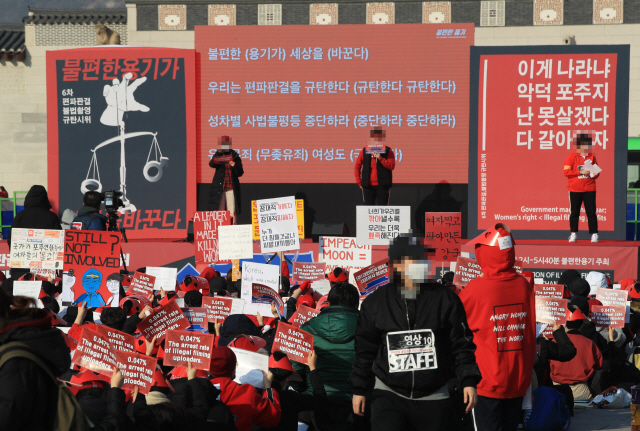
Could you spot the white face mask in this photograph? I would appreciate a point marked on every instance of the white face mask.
(419, 271)
(225, 147)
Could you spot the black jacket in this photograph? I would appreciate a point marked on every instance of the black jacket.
(215, 193)
(437, 309)
(559, 349)
(91, 219)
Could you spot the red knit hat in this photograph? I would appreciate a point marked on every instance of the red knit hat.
(248, 342)
(87, 379)
(495, 237)
(223, 362)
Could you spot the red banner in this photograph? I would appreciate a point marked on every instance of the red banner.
(548, 290)
(205, 234)
(551, 310)
(184, 346)
(302, 315)
(119, 340)
(443, 232)
(137, 370)
(373, 276)
(167, 318)
(142, 284)
(608, 315)
(95, 353)
(303, 271)
(293, 341)
(466, 270)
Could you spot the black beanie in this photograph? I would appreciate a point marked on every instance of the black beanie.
(580, 287)
(568, 276)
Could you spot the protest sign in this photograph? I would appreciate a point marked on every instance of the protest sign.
(249, 361)
(321, 287)
(30, 289)
(294, 342)
(612, 297)
(235, 270)
(261, 294)
(205, 234)
(442, 231)
(466, 270)
(90, 257)
(197, 316)
(94, 352)
(370, 278)
(167, 318)
(549, 290)
(268, 275)
(36, 249)
(277, 221)
(299, 219)
(119, 340)
(378, 225)
(302, 315)
(551, 310)
(137, 370)
(344, 253)
(608, 315)
(308, 271)
(375, 147)
(219, 307)
(165, 277)
(184, 346)
(142, 284)
(234, 242)
(222, 159)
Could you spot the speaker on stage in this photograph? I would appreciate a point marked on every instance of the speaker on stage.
(328, 229)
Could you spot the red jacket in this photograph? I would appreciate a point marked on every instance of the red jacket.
(247, 405)
(389, 163)
(581, 368)
(501, 314)
(579, 183)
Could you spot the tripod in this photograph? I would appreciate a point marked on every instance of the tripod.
(112, 226)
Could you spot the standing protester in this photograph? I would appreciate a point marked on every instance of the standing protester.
(501, 311)
(582, 185)
(89, 217)
(416, 314)
(374, 172)
(225, 188)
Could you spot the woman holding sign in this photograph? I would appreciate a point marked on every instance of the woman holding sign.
(224, 194)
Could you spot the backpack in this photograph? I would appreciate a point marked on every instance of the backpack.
(69, 416)
(549, 411)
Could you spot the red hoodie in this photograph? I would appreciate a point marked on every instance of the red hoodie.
(501, 314)
(581, 368)
(247, 405)
(579, 183)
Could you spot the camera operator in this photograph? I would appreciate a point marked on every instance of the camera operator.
(89, 217)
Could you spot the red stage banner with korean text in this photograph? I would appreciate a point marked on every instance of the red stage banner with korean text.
(205, 234)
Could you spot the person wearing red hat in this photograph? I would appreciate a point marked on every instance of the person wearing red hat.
(501, 314)
(374, 172)
(99, 397)
(224, 194)
(248, 406)
(579, 371)
(626, 283)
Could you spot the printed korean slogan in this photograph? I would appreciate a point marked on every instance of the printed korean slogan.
(299, 218)
(443, 231)
(278, 224)
(378, 225)
(205, 234)
(37, 249)
(370, 278)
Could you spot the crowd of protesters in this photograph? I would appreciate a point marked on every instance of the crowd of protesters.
(418, 353)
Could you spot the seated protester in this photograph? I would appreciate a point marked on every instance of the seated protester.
(89, 217)
(193, 298)
(247, 405)
(579, 372)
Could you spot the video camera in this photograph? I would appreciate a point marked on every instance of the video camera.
(112, 201)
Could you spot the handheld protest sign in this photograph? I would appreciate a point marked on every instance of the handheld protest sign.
(89, 258)
(378, 225)
(551, 310)
(345, 253)
(119, 340)
(31, 289)
(197, 316)
(222, 159)
(235, 243)
(137, 370)
(36, 249)
(165, 277)
(443, 231)
(261, 294)
(278, 224)
(373, 276)
(94, 352)
(612, 297)
(548, 290)
(142, 284)
(205, 234)
(249, 361)
(466, 271)
(220, 307)
(294, 342)
(302, 315)
(608, 315)
(267, 275)
(308, 271)
(167, 318)
(185, 346)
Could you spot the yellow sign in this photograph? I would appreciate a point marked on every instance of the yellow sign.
(299, 214)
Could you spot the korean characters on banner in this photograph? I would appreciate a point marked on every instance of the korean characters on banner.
(442, 231)
(608, 315)
(370, 278)
(167, 318)
(294, 342)
(551, 310)
(377, 225)
(345, 253)
(277, 222)
(234, 242)
(299, 219)
(185, 346)
(466, 270)
(219, 307)
(205, 234)
(260, 273)
(308, 271)
(137, 370)
(142, 284)
(37, 249)
(94, 352)
(302, 315)
(411, 351)
(90, 258)
(548, 290)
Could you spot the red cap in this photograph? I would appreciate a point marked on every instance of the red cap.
(323, 302)
(223, 362)
(284, 363)
(492, 237)
(306, 300)
(248, 342)
(88, 379)
(341, 276)
(159, 380)
(208, 273)
(180, 372)
(575, 315)
(137, 307)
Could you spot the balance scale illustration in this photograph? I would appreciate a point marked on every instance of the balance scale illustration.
(120, 99)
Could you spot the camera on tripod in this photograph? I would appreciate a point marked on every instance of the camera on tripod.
(112, 201)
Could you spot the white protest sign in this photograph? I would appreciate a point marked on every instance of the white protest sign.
(278, 224)
(30, 289)
(37, 249)
(322, 286)
(378, 225)
(235, 242)
(345, 253)
(165, 277)
(267, 275)
(249, 361)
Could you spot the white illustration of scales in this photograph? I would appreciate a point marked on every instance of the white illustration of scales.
(120, 99)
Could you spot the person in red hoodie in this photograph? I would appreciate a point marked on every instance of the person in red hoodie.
(501, 314)
(582, 185)
(374, 172)
(247, 405)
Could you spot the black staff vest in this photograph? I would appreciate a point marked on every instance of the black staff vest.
(385, 176)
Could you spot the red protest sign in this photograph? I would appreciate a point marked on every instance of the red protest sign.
(608, 315)
(551, 310)
(142, 284)
(612, 297)
(137, 370)
(442, 231)
(308, 271)
(262, 294)
(119, 340)
(466, 270)
(548, 290)
(219, 307)
(89, 258)
(368, 279)
(222, 159)
(302, 315)
(293, 341)
(183, 346)
(197, 316)
(167, 318)
(205, 234)
(94, 352)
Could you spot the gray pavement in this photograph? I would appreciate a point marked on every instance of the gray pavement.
(591, 419)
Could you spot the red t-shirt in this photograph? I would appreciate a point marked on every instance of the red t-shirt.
(579, 183)
(581, 368)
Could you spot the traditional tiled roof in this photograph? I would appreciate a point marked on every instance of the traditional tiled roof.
(12, 39)
(76, 16)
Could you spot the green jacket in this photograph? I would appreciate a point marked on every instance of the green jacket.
(333, 333)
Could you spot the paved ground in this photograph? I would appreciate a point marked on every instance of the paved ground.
(591, 419)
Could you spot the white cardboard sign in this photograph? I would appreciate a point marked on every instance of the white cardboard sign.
(278, 224)
(261, 273)
(165, 277)
(235, 242)
(378, 225)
